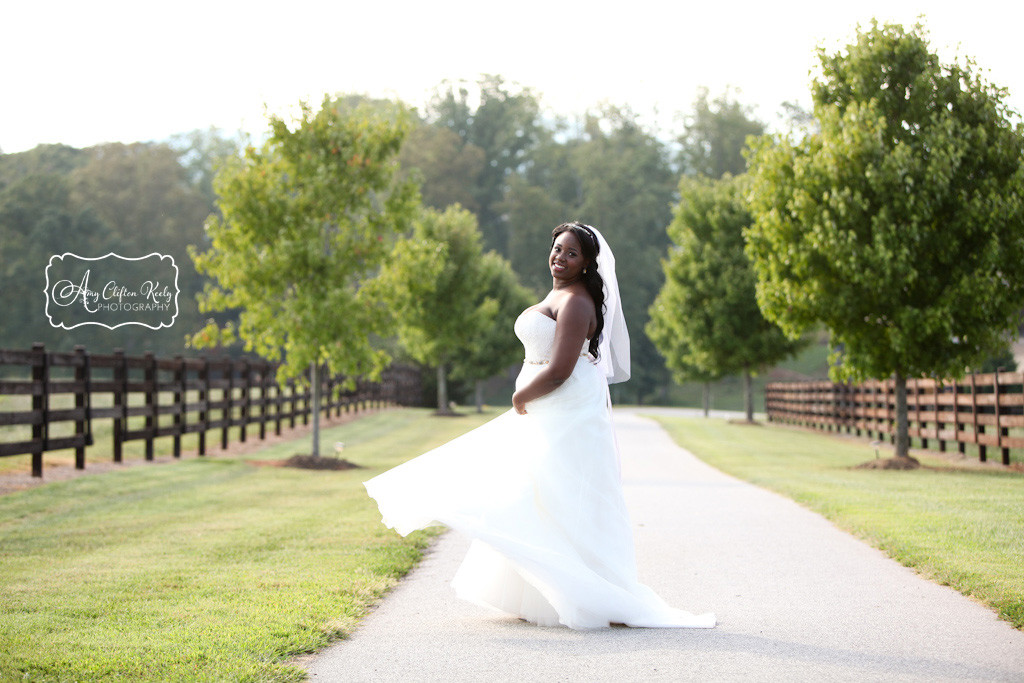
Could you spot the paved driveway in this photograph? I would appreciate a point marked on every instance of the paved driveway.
(796, 599)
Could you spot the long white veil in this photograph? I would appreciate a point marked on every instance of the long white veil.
(613, 347)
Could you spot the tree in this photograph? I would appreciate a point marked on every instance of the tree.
(899, 225)
(38, 220)
(447, 169)
(145, 195)
(715, 136)
(495, 348)
(56, 160)
(128, 199)
(433, 282)
(202, 153)
(673, 348)
(534, 213)
(705, 320)
(615, 175)
(304, 221)
(626, 190)
(503, 122)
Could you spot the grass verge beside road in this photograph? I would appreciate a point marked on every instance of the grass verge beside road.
(205, 569)
(960, 525)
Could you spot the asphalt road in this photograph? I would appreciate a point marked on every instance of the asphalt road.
(796, 599)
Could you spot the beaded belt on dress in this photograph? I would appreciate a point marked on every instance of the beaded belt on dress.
(545, 362)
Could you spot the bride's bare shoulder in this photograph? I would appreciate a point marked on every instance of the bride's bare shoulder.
(575, 302)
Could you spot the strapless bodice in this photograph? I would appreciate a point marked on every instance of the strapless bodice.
(537, 333)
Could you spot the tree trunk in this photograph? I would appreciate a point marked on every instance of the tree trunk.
(902, 443)
(442, 390)
(706, 398)
(748, 395)
(901, 459)
(315, 387)
(479, 396)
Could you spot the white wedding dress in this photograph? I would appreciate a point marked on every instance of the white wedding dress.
(541, 497)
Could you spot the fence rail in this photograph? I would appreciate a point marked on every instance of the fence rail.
(150, 398)
(984, 410)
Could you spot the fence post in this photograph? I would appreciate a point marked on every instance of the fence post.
(244, 408)
(204, 403)
(293, 403)
(40, 405)
(83, 401)
(916, 404)
(263, 400)
(978, 429)
(958, 425)
(227, 399)
(1000, 432)
(277, 390)
(152, 401)
(179, 404)
(871, 402)
(940, 388)
(120, 402)
(855, 401)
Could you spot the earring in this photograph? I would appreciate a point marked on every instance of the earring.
(584, 271)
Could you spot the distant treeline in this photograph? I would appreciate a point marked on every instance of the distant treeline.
(487, 146)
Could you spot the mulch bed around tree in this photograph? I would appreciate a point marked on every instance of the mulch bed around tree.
(309, 462)
(889, 464)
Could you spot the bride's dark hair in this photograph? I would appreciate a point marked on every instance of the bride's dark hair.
(592, 279)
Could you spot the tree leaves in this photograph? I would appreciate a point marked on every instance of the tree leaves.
(305, 220)
(889, 223)
(705, 321)
(453, 305)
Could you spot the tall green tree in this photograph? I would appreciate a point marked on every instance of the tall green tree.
(626, 190)
(534, 212)
(502, 121)
(304, 222)
(435, 285)
(660, 329)
(545, 192)
(38, 220)
(611, 172)
(202, 152)
(706, 321)
(127, 199)
(447, 169)
(55, 160)
(715, 136)
(143, 193)
(146, 197)
(496, 347)
(899, 225)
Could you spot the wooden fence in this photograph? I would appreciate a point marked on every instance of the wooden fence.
(984, 410)
(149, 398)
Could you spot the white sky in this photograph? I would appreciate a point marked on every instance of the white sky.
(81, 73)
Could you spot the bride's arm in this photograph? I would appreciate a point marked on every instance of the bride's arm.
(571, 328)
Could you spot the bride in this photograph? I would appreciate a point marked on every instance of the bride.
(538, 488)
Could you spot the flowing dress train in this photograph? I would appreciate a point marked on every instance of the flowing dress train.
(541, 497)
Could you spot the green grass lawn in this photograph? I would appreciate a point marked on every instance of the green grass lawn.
(204, 569)
(959, 524)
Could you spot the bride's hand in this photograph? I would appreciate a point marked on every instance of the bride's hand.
(518, 403)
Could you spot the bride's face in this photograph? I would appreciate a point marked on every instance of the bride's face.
(566, 260)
